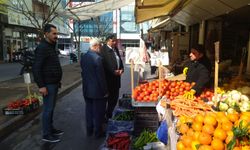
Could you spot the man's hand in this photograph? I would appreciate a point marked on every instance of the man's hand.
(117, 72)
(43, 91)
(189, 94)
(121, 71)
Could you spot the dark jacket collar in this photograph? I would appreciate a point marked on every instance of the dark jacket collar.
(50, 44)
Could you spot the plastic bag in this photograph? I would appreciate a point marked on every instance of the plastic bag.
(162, 132)
(120, 110)
(119, 126)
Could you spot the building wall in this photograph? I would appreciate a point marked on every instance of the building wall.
(127, 31)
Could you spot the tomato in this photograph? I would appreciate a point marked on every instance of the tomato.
(181, 89)
(146, 93)
(149, 90)
(155, 99)
(167, 84)
(135, 94)
(167, 96)
(187, 84)
(183, 86)
(139, 98)
(208, 93)
(173, 84)
(142, 95)
(187, 88)
(175, 94)
(172, 90)
(192, 84)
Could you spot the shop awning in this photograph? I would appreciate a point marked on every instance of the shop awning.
(163, 25)
(198, 10)
(150, 9)
(86, 12)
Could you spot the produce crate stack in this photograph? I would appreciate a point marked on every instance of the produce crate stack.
(145, 118)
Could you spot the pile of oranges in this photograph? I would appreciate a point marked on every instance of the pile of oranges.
(212, 131)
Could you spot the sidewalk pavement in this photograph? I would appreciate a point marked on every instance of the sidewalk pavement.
(16, 88)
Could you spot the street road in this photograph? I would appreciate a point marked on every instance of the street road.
(70, 117)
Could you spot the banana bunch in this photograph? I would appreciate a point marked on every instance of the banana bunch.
(190, 94)
(185, 70)
(220, 90)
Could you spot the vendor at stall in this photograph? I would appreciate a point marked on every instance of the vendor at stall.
(198, 70)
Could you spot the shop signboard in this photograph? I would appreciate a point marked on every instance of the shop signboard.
(18, 19)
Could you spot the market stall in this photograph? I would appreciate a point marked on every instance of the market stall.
(158, 115)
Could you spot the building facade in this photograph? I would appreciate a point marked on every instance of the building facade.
(18, 32)
(127, 31)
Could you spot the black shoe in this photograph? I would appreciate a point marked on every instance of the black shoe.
(57, 132)
(51, 139)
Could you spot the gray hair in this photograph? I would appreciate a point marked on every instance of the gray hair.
(94, 41)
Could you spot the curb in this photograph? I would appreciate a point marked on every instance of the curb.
(18, 121)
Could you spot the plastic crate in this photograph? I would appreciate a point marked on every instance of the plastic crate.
(16, 111)
(125, 103)
(22, 110)
(145, 118)
(144, 104)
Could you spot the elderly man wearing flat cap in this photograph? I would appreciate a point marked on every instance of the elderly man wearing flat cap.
(113, 68)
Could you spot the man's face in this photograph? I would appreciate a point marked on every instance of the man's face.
(111, 42)
(52, 35)
(195, 55)
(96, 48)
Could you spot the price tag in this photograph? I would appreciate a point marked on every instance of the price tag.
(26, 77)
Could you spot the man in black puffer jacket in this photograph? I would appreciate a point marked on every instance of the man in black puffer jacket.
(47, 74)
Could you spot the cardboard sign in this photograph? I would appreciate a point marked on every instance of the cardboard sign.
(26, 77)
(133, 53)
(159, 57)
